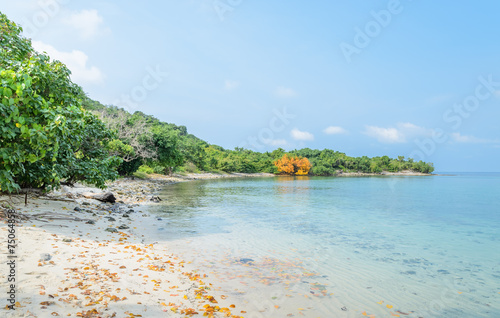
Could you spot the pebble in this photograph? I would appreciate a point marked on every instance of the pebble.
(77, 209)
(45, 257)
(112, 230)
(123, 227)
(90, 222)
(155, 198)
(246, 261)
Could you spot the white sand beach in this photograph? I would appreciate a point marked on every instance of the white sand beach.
(80, 257)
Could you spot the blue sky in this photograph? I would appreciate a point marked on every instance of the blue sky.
(413, 78)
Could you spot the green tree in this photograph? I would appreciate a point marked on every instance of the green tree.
(168, 153)
(45, 133)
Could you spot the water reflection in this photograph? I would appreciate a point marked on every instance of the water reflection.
(292, 185)
(208, 207)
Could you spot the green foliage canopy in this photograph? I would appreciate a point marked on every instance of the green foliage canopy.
(46, 136)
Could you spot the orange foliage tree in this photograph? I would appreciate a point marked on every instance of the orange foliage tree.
(293, 165)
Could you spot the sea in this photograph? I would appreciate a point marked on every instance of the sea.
(388, 246)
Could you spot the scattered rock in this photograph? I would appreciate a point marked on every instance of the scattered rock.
(130, 211)
(90, 222)
(111, 219)
(123, 227)
(45, 257)
(112, 230)
(155, 198)
(85, 203)
(77, 209)
(103, 197)
(66, 240)
(159, 219)
(125, 216)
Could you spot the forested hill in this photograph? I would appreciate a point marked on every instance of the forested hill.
(51, 132)
(191, 153)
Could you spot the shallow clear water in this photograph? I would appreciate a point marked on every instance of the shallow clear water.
(343, 247)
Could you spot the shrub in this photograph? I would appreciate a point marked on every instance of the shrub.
(146, 169)
(159, 169)
(190, 167)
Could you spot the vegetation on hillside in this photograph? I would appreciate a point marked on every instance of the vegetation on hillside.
(189, 153)
(51, 132)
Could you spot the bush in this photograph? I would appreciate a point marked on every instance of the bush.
(146, 169)
(159, 169)
(190, 167)
(127, 168)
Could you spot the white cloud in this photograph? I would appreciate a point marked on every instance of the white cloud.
(334, 130)
(457, 137)
(277, 142)
(230, 85)
(87, 22)
(285, 92)
(403, 132)
(385, 135)
(411, 131)
(301, 135)
(75, 60)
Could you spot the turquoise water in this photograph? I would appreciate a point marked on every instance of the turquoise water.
(343, 247)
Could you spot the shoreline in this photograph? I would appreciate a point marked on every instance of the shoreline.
(382, 174)
(80, 257)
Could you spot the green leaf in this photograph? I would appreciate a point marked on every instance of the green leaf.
(32, 158)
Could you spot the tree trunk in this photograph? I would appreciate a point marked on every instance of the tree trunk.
(168, 171)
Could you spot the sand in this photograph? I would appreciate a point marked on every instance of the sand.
(65, 266)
